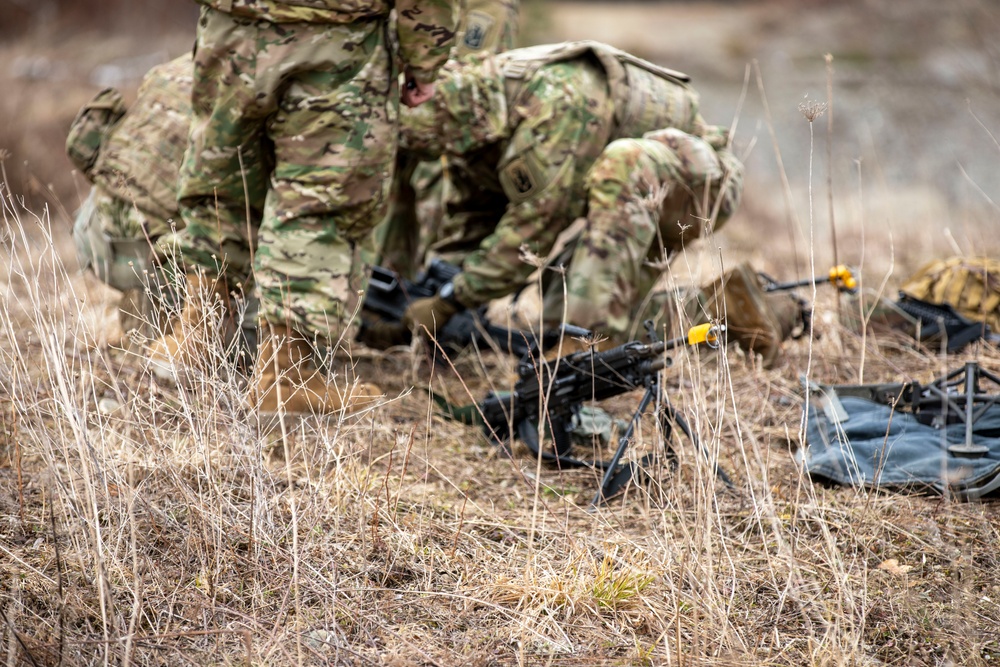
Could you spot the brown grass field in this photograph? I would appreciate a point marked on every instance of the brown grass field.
(143, 524)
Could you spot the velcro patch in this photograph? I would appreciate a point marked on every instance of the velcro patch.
(478, 31)
(519, 180)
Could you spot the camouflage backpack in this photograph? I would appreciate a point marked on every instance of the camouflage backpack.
(91, 127)
(969, 285)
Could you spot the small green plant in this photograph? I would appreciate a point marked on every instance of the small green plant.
(617, 587)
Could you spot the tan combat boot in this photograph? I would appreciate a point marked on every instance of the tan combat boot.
(201, 325)
(287, 377)
(741, 303)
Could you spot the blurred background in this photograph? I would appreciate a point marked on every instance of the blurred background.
(906, 171)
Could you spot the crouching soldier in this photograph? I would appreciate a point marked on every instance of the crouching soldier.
(124, 231)
(552, 133)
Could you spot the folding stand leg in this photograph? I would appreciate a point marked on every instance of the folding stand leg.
(652, 390)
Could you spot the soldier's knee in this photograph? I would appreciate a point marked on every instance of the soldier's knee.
(619, 159)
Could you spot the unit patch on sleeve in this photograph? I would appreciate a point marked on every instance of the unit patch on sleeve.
(478, 31)
(518, 179)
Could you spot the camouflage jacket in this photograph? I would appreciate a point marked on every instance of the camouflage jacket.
(541, 116)
(487, 26)
(138, 156)
(426, 28)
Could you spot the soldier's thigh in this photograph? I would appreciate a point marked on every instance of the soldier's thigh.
(334, 135)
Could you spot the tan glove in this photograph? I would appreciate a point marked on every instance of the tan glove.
(432, 313)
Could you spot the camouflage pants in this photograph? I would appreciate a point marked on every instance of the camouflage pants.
(320, 104)
(646, 199)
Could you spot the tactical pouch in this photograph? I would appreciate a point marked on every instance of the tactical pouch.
(91, 126)
(121, 263)
(647, 96)
(649, 100)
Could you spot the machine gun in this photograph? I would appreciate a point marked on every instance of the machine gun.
(552, 392)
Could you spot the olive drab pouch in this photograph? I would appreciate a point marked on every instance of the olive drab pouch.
(969, 285)
(91, 126)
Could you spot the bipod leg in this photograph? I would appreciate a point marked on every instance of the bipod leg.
(672, 415)
(609, 483)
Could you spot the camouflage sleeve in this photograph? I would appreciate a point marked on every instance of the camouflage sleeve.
(426, 30)
(488, 26)
(542, 174)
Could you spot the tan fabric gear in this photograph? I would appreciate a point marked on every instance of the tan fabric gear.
(288, 381)
(969, 285)
(646, 96)
(739, 300)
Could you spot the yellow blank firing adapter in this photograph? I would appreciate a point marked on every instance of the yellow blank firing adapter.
(842, 278)
(706, 333)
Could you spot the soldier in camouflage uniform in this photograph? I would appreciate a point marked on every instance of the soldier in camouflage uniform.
(133, 158)
(553, 131)
(315, 81)
(422, 190)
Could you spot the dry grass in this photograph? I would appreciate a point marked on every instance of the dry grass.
(145, 524)
(150, 525)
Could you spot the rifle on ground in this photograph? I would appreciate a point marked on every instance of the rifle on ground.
(930, 322)
(934, 321)
(389, 295)
(552, 392)
(839, 276)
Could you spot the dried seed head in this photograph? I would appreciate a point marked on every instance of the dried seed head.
(528, 256)
(812, 110)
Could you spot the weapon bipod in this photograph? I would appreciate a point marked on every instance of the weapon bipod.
(941, 401)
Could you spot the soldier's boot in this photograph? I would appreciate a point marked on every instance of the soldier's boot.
(201, 325)
(141, 314)
(757, 321)
(286, 377)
